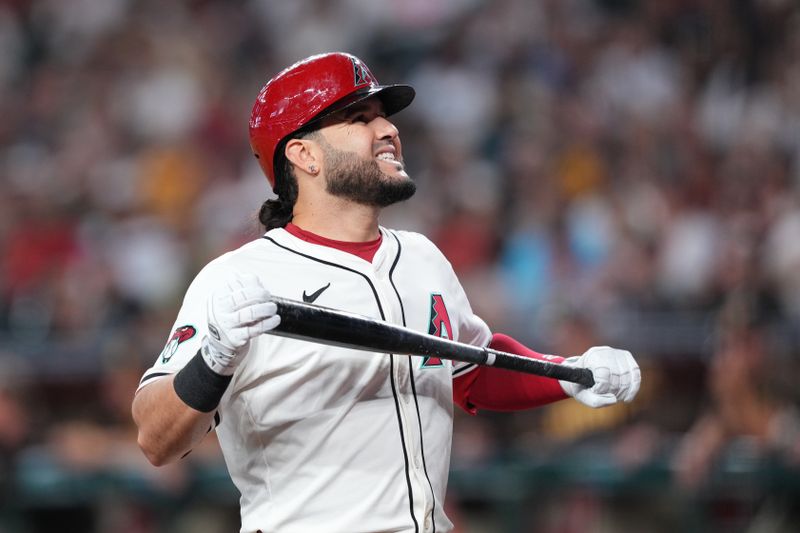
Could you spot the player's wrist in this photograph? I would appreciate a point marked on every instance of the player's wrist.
(198, 386)
(219, 358)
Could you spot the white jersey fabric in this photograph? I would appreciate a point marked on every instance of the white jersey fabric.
(328, 439)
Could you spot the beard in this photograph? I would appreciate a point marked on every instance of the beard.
(362, 181)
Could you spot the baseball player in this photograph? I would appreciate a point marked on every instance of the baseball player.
(321, 438)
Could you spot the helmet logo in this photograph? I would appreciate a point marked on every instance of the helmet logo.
(360, 74)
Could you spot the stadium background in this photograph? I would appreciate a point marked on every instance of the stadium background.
(598, 172)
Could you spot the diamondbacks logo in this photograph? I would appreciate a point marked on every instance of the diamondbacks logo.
(438, 326)
(360, 74)
(182, 334)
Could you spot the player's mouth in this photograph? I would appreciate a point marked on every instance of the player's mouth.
(389, 155)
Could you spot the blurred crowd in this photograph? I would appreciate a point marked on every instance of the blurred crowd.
(597, 171)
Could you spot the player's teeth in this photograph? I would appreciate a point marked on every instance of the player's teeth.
(386, 155)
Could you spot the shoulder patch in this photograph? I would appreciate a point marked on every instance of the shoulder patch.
(180, 335)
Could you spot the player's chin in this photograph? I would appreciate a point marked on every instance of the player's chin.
(393, 169)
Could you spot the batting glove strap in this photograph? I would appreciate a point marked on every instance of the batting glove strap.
(198, 386)
(218, 359)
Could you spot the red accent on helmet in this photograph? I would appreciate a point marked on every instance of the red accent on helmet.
(308, 91)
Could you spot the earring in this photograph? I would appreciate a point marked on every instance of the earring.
(312, 169)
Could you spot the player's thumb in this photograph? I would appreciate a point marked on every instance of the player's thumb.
(594, 400)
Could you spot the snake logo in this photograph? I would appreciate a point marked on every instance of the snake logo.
(438, 326)
(182, 334)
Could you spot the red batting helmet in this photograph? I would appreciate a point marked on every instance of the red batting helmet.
(308, 91)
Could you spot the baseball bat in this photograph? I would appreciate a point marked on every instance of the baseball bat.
(333, 327)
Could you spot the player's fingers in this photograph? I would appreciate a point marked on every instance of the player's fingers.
(627, 365)
(602, 400)
(636, 381)
(602, 379)
(615, 378)
(237, 293)
(235, 337)
(624, 380)
(217, 306)
(256, 313)
(591, 399)
(263, 326)
(248, 296)
(620, 378)
(243, 279)
(235, 284)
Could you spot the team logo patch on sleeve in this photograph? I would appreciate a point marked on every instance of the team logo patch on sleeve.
(182, 334)
(438, 326)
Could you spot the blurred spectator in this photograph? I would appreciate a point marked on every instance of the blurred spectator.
(16, 420)
(748, 403)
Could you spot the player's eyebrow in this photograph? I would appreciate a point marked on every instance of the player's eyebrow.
(361, 107)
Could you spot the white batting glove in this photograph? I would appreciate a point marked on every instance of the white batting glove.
(616, 377)
(236, 313)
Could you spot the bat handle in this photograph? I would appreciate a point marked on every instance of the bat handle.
(538, 367)
(583, 376)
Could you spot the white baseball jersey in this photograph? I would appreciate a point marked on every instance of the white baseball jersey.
(321, 438)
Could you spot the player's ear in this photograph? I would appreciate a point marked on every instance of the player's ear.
(302, 153)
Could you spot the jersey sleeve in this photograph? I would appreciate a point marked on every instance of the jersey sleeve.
(497, 389)
(470, 327)
(189, 327)
(471, 330)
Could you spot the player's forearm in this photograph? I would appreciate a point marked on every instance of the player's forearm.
(168, 428)
(615, 371)
(496, 389)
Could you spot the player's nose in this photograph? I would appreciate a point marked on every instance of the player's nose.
(385, 129)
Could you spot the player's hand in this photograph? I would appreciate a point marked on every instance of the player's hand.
(236, 313)
(616, 377)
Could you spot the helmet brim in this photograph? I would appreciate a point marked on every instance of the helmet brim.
(394, 98)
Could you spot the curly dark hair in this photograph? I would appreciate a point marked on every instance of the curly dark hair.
(277, 212)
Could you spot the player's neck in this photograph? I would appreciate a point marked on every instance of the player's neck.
(340, 220)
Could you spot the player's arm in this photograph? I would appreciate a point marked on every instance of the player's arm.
(617, 378)
(175, 412)
(168, 428)
(616, 374)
